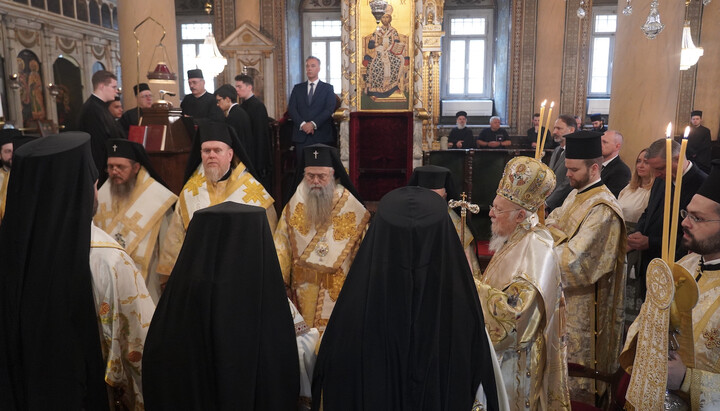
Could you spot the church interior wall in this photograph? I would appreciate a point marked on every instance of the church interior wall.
(707, 91)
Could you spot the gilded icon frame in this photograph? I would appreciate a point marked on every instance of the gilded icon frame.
(386, 82)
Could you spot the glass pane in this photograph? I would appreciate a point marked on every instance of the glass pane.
(68, 7)
(195, 31)
(189, 51)
(605, 23)
(335, 66)
(476, 61)
(326, 28)
(319, 50)
(600, 65)
(467, 26)
(456, 71)
(94, 8)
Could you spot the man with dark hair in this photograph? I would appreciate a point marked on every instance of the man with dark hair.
(693, 364)
(564, 125)
(115, 108)
(699, 145)
(318, 234)
(95, 119)
(199, 104)
(259, 122)
(311, 107)
(135, 207)
(532, 134)
(218, 170)
(598, 123)
(133, 116)
(236, 117)
(649, 229)
(589, 235)
(461, 136)
(615, 173)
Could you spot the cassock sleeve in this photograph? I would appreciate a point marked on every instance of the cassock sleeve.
(307, 338)
(512, 316)
(702, 386)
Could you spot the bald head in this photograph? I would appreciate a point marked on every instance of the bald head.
(612, 142)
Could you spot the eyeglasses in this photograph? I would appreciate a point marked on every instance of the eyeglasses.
(684, 214)
(321, 177)
(496, 211)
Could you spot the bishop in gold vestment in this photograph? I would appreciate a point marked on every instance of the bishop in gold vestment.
(590, 239)
(318, 234)
(521, 293)
(135, 207)
(223, 175)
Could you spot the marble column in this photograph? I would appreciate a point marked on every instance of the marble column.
(130, 14)
(646, 74)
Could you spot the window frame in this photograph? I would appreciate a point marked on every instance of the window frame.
(182, 70)
(601, 11)
(488, 37)
(307, 18)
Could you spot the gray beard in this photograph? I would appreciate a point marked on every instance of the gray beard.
(497, 242)
(460, 127)
(318, 203)
(214, 174)
(122, 191)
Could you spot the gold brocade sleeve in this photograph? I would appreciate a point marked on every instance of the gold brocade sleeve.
(170, 249)
(283, 248)
(513, 315)
(590, 253)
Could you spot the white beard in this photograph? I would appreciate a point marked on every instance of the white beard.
(497, 242)
(318, 203)
(460, 127)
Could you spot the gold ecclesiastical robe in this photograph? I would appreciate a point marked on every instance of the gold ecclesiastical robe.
(469, 245)
(590, 241)
(138, 224)
(198, 193)
(316, 259)
(522, 301)
(124, 309)
(4, 178)
(702, 354)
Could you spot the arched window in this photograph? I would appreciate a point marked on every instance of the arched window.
(97, 66)
(38, 3)
(94, 9)
(114, 18)
(68, 8)
(53, 6)
(106, 20)
(82, 10)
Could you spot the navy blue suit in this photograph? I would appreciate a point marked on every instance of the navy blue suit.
(319, 111)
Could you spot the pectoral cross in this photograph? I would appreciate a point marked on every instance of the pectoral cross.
(315, 153)
(465, 206)
(114, 148)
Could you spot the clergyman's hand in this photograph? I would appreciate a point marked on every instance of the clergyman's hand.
(637, 241)
(676, 371)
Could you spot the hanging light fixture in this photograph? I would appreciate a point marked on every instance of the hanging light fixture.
(210, 60)
(652, 26)
(159, 70)
(689, 54)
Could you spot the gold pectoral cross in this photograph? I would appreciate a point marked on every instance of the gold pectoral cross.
(465, 206)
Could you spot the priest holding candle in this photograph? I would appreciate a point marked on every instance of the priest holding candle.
(649, 235)
(589, 236)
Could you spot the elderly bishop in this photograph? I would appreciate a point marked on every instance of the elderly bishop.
(521, 292)
(319, 233)
(589, 235)
(218, 170)
(134, 207)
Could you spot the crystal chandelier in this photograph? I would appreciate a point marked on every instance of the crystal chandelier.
(210, 60)
(689, 55)
(652, 26)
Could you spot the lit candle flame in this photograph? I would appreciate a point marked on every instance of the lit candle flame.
(687, 132)
(552, 104)
(669, 130)
(543, 103)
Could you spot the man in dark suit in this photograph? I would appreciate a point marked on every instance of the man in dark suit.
(648, 237)
(132, 116)
(699, 145)
(615, 173)
(311, 106)
(259, 124)
(564, 125)
(598, 123)
(200, 104)
(236, 117)
(96, 120)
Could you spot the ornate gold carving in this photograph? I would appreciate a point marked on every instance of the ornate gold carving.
(66, 45)
(344, 226)
(27, 38)
(297, 220)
